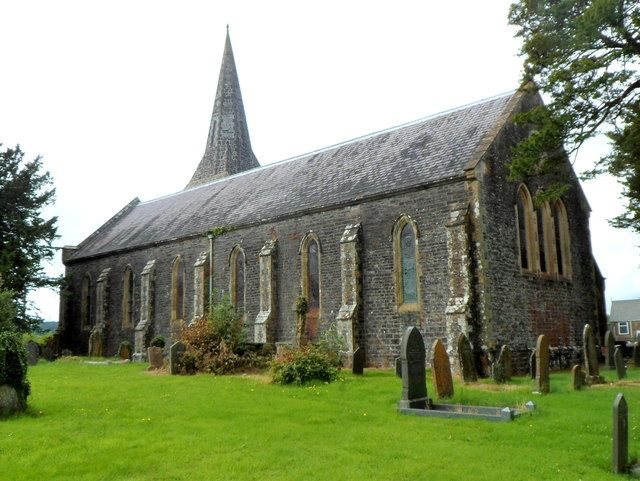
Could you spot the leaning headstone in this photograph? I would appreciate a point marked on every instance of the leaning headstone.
(441, 370)
(504, 359)
(154, 356)
(176, 351)
(620, 451)
(636, 354)
(465, 358)
(398, 367)
(578, 377)
(414, 381)
(621, 370)
(95, 344)
(357, 365)
(542, 364)
(590, 355)
(498, 373)
(532, 364)
(609, 350)
(32, 353)
(125, 351)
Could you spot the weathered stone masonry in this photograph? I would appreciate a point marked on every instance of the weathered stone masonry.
(414, 226)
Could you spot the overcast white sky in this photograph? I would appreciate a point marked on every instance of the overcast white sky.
(116, 96)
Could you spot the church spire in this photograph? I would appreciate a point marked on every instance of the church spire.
(228, 150)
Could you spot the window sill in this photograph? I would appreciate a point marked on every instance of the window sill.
(409, 308)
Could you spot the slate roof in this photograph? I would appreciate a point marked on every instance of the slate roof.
(622, 311)
(409, 156)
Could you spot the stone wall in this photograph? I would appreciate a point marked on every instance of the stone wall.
(515, 306)
(383, 325)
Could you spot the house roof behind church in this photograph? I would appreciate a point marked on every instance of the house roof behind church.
(409, 156)
(623, 311)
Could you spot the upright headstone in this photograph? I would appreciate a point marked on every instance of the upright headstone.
(414, 381)
(542, 364)
(620, 451)
(95, 343)
(609, 350)
(504, 359)
(398, 367)
(154, 355)
(441, 370)
(532, 364)
(590, 356)
(32, 353)
(125, 351)
(176, 351)
(357, 366)
(636, 354)
(621, 370)
(578, 377)
(465, 357)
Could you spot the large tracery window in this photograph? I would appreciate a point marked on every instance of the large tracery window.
(405, 247)
(562, 242)
(311, 258)
(127, 298)
(177, 290)
(85, 302)
(237, 287)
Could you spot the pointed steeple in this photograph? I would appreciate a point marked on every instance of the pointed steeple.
(228, 150)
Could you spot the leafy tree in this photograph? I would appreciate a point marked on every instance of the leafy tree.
(25, 237)
(8, 310)
(585, 54)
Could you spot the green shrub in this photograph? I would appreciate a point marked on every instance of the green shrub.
(227, 324)
(333, 344)
(158, 341)
(303, 364)
(13, 364)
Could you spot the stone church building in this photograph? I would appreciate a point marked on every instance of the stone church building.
(414, 225)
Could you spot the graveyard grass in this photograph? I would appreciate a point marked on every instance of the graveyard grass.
(118, 422)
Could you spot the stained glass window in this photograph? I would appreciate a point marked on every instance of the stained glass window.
(313, 276)
(408, 260)
(239, 281)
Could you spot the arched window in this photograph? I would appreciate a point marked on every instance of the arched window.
(85, 302)
(562, 241)
(310, 252)
(177, 290)
(525, 226)
(127, 298)
(546, 254)
(237, 269)
(405, 250)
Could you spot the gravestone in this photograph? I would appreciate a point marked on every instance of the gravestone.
(621, 370)
(532, 364)
(465, 358)
(32, 353)
(578, 377)
(542, 365)
(609, 350)
(441, 370)
(498, 373)
(176, 351)
(125, 351)
(590, 356)
(357, 366)
(620, 451)
(154, 356)
(636, 354)
(504, 359)
(10, 401)
(414, 381)
(398, 367)
(95, 343)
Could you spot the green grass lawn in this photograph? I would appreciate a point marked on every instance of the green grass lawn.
(92, 422)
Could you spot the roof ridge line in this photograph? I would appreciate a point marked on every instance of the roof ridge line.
(340, 144)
